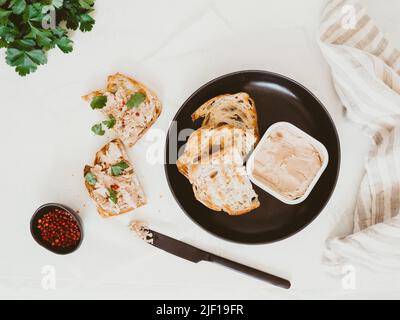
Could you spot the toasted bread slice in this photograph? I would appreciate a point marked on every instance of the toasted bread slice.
(238, 110)
(112, 182)
(223, 187)
(131, 123)
(207, 141)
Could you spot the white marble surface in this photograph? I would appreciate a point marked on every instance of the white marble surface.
(173, 46)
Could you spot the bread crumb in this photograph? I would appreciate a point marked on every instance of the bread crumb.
(142, 230)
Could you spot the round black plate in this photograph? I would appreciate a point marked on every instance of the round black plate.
(277, 99)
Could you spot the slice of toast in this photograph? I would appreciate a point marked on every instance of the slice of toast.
(223, 187)
(207, 141)
(112, 182)
(238, 110)
(131, 122)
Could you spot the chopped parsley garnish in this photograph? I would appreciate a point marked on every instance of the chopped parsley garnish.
(97, 129)
(135, 100)
(98, 102)
(90, 178)
(113, 196)
(116, 170)
(110, 122)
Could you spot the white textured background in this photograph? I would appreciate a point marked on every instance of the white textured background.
(174, 47)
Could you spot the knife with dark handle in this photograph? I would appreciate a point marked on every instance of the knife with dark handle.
(188, 252)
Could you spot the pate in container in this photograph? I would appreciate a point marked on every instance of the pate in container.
(287, 163)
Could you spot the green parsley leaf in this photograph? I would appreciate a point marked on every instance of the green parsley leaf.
(34, 14)
(87, 22)
(53, 5)
(86, 4)
(44, 38)
(8, 33)
(98, 102)
(136, 100)
(18, 6)
(4, 14)
(90, 178)
(59, 32)
(110, 123)
(97, 129)
(65, 44)
(116, 170)
(25, 61)
(113, 196)
(25, 44)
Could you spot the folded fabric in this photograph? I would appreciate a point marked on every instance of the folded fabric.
(366, 73)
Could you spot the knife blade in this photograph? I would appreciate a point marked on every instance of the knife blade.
(193, 254)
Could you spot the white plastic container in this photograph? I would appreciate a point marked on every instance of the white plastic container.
(318, 145)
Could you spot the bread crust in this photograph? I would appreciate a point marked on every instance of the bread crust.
(206, 109)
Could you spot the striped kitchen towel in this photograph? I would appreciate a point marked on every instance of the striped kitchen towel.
(366, 74)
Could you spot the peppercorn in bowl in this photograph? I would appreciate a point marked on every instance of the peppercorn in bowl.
(57, 228)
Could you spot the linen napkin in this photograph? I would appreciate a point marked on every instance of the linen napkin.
(366, 74)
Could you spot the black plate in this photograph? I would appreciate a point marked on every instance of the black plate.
(277, 99)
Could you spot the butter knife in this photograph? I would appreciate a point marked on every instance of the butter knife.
(188, 252)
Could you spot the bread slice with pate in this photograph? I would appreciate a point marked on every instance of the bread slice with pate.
(132, 106)
(112, 182)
